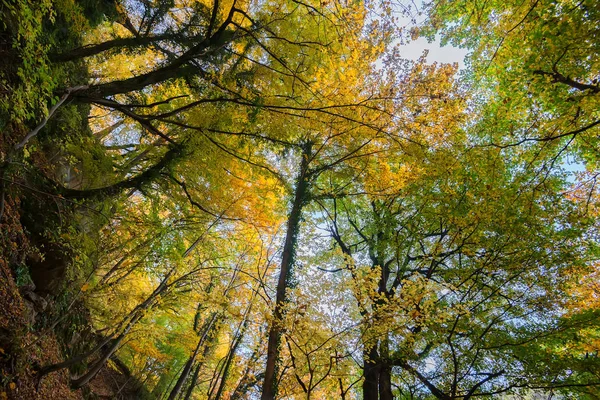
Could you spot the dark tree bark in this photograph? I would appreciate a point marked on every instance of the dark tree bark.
(72, 361)
(130, 321)
(377, 382)
(193, 382)
(209, 324)
(98, 364)
(385, 382)
(129, 43)
(185, 372)
(246, 380)
(232, 350)
(100, 135)
(179, 68)
(371, 373)
(269, 390)
(136, 182)
(122, 329)
(207, 349)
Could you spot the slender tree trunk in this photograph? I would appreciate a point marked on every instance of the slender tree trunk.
(131, 164)
(269, 390)
(72, 361)
(178, 373)
(246, 381)
(215, 378)
(125, 258)
(385, 382)
(385, 371)
(231, 354)
(185, 373)
(193, 382)
(342, 391)
(100, 135)
(125, 324)
(210, 323)
(98, 364)
(371, 368)
(172, 71)
(178, 68)
(131, 317)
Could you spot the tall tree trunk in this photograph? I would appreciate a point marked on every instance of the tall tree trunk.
(126, 257)
(100, 135)
(385, 370)
(131, 317)
(193, 382)
(246, 380)
(184, 373)
(372, 379)
(138, 313)
(207, 349)
(72, 361)
(385, 382)
(210, 323)
(371, 373)
(233, 349)
(124, 326)
(269, 390)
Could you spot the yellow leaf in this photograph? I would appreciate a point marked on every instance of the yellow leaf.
(12, 386)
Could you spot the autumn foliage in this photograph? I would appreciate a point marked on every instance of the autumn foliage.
(239, 199)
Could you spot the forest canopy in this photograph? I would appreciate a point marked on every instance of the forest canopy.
(239, 199)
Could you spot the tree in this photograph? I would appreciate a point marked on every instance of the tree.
(210, 68)
(537, 67)
(454, 287)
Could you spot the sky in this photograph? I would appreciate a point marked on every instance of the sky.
(414, 49)
(446, 54)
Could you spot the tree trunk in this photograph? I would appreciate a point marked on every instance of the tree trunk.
(179, 68)
(136, 182)
(126, 257)
(125, 324)
(269, 389)
(188, 366)
(371, 373)
(184, 374)
(91, 373)
(120, 43)
(385, 370)
(192, 385)
(100, 135)
(385, 382)
(231, 354)
(72, 361)
(246, 380)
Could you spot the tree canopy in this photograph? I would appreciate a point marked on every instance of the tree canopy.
(238, 199)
